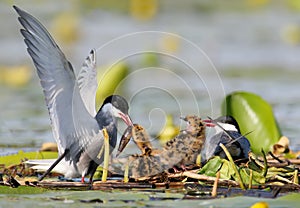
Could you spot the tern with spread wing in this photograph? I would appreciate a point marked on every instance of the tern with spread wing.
(76, 126)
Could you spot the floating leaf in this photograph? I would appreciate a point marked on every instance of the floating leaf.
(17, 158)
(253, 114)
(21, 190)
(291, 197)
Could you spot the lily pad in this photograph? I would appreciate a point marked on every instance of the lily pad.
(255, 116)
(20, 156)
(21, 190)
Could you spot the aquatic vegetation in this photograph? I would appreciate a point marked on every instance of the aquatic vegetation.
(109, 79)
(255, 117)
(22, 156)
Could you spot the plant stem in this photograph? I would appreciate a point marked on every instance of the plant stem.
(215, 186)
(106, 155)
(233, 166)
(296, 180)
(265, 163)
(126, 173)
(250, 179)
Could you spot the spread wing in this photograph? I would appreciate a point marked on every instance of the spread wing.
(73, 127)
(87, 82)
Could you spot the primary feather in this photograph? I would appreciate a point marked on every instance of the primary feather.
(73, 125)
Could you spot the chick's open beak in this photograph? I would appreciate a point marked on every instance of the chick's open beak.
(209, 123)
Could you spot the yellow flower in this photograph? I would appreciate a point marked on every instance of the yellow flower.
(65, 27)
(15, 76)
(260, 205)
(143, 9)
(169, 131)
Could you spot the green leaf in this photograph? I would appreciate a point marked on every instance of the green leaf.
(226, 171)
(21, 190)
(257, 178)
(211, 167)
(254, 115)
(15, 159)
(291, 197)
(284, 172)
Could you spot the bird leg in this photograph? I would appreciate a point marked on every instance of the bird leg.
(54, 164)
(183, 167)
(175, 169)
(92, 173)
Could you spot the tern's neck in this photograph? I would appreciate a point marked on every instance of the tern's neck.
(105, 116)
(106, 119)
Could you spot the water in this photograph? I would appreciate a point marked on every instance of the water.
(248, 51)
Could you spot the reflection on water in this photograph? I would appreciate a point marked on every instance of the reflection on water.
(245, 41)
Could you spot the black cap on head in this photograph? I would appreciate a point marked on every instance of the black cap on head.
(118, 102)
(229, 120)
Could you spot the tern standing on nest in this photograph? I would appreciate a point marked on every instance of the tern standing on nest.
(76, 127)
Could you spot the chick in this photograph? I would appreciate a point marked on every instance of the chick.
(146, 164)
(180, 151)
(184, 149)
(140, 137)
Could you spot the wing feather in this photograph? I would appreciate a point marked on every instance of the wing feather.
(87, 82)
(72, 125)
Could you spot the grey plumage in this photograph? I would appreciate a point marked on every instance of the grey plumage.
(227, 132)
(71, 101)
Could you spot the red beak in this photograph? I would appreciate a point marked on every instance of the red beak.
(126, 119)
(209, 123)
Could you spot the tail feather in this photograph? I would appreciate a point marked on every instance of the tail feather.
(43, 165)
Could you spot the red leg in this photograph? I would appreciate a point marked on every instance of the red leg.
(82, 179)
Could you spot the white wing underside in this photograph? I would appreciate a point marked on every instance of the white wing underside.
(73, 126)
(87, 82)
